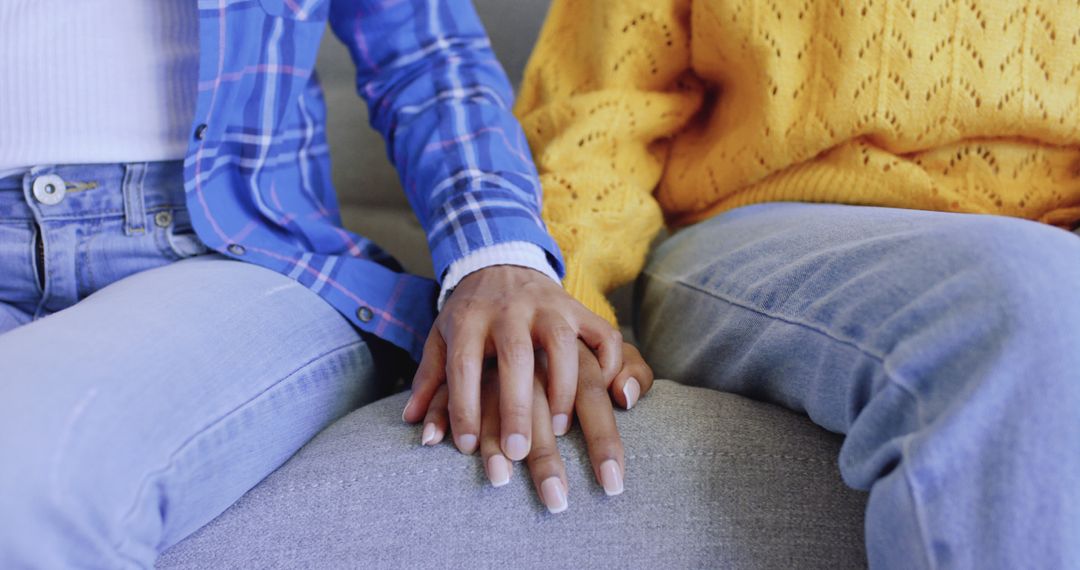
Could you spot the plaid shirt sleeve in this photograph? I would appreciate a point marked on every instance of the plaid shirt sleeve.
(442, 102)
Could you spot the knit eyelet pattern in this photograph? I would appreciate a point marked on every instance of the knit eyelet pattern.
(641, 112)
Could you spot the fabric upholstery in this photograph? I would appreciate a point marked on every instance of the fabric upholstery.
(713, 480)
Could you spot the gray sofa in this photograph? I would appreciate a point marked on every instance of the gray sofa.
(713, 480)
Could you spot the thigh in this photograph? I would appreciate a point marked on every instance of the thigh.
(19, 289)
(146, 409)
(820, 307)
(11, 317)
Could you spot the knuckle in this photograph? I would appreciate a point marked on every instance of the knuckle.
(461, 419)
(516, 351)
(562, 335)
(592, 387)
(460, 365)
(544, 456)
(456, 320)
(606, 444)
(515, 409)
(588, 365)
(616, 336)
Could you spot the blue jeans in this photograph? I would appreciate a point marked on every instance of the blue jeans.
(946, 347)
(145, 385)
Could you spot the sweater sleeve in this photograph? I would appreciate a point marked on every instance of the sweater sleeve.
(606, 87)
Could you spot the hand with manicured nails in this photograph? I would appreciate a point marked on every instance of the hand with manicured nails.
(595, 414)
(509, 312)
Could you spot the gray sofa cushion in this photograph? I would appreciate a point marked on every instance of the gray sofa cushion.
(713, 480)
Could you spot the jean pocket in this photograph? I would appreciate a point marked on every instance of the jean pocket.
(303, 10)
(175, 237)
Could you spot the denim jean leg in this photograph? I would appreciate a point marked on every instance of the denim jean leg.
(943, 345)
(142, 412)
(11, 318)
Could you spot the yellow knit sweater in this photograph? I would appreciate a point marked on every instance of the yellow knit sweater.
(639, 111)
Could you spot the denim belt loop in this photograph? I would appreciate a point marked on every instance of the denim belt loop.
(134, 204)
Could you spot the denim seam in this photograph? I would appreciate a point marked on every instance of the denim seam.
(882, 359)
(151, 208)
(119, 546)
(95, 229)
(920, 518)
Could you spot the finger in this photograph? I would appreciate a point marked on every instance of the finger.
(464, 365)
(514, 347)
(437, 420)
(545, 464)
(633, 381)
(605, 341)
(430, 374)
(597, 419)
(496, 465)
(560, 342)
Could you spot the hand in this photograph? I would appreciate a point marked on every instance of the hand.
(546, 466)
(509, 312)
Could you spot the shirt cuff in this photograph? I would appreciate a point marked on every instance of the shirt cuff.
(519, 253)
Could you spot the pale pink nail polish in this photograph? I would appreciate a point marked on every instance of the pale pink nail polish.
(611, 477)
(560, 424)
(406, 410)
(554, 495)
(632, 391)
(429, 435)
(516, 447)
(467, 443)
(498, 470)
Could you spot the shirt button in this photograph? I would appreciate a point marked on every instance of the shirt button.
(163, 219)
(364, 314)
(49, 189)
(237, 249)
(200, 132)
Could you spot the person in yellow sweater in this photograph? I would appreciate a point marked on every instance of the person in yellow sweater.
(872, 203)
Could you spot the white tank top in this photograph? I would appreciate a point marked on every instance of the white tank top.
(92, 81)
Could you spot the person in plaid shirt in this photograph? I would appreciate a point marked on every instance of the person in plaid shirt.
(179, 300)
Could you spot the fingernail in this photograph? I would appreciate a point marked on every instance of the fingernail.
(632, 391)
(429, 435)
(406, 410)
(554, 495)
(611, 477)
(560, 424)
(467, 443)
(498, 470)
(517, 447)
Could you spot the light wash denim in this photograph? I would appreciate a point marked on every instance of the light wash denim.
(145, 386)
(946, 347)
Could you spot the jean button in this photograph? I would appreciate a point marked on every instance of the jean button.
(237, 249)
(200, 132)
(162, 219)
(49, 189)
(364, 314)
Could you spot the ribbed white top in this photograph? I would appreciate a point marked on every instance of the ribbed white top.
(93, 81)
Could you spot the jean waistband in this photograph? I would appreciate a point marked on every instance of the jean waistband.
(81, 191)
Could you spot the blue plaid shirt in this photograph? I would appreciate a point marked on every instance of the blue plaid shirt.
(258, 173)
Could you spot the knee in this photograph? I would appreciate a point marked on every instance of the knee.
(1025, 273)
(1008, 310)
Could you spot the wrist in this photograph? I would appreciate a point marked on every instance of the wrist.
(519, 254)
